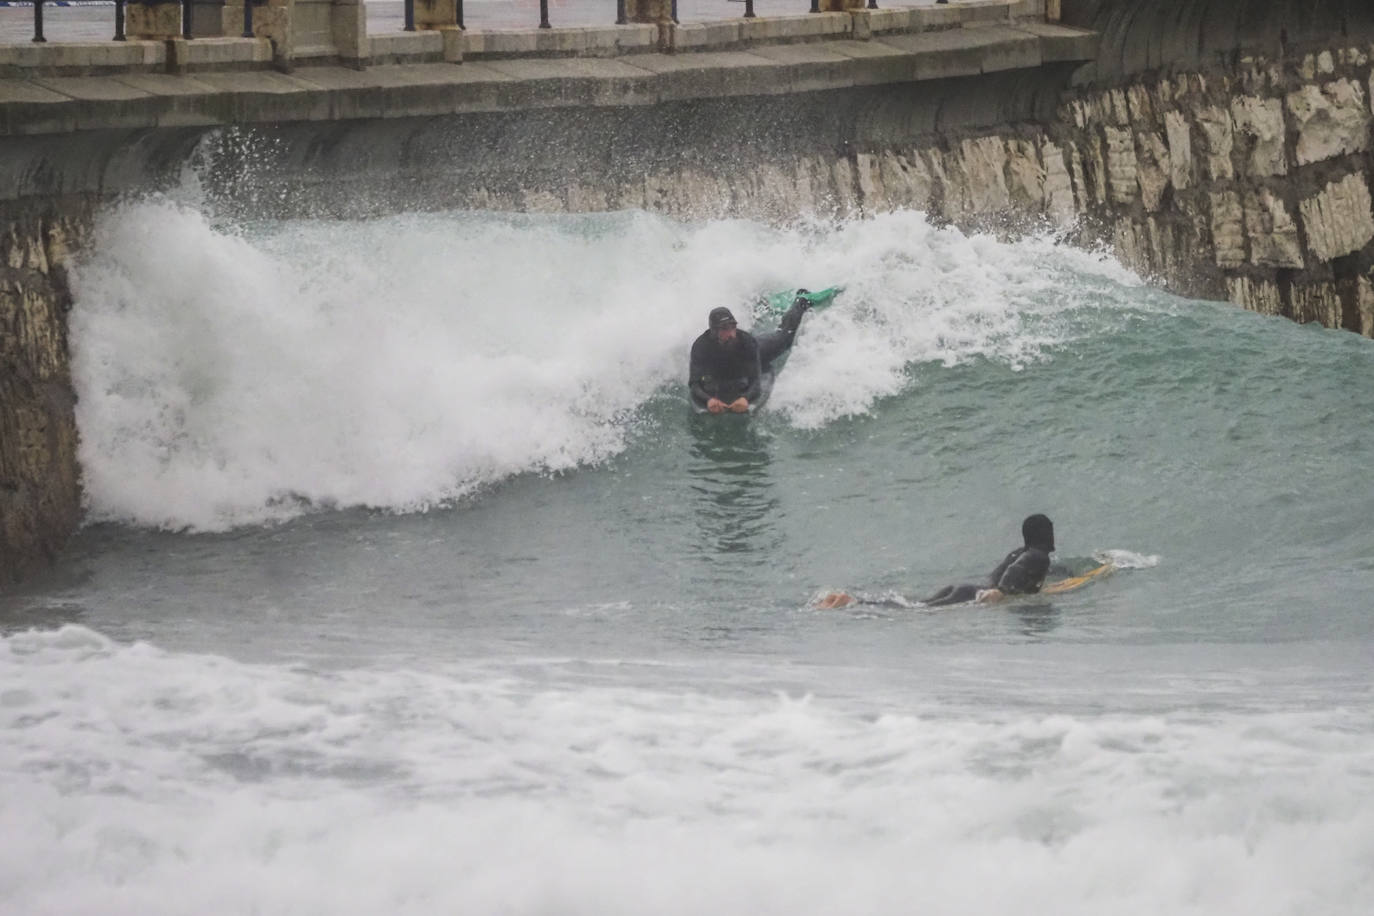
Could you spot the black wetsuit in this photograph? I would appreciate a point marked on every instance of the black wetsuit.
(725, 370)
(773, 345)
(1021, 573)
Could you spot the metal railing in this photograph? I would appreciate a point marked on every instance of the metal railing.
(621, 14)
(187, 22)
(120, 12)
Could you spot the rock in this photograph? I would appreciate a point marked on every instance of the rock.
(1025, 176)
(1152, 168)
(1364, 300)
(1180, 149)
(1058, 199)
(1330, 120)
(1256, 295)
(1214, 126)
(1338, 219)
(1260, 121)
(1122, 173)
(1228, 232)
(1317, 302)
(1272, 232)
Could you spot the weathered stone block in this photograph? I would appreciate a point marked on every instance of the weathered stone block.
(435, 14)
(1272, 231)
(649, 10)
(1256, 295)
(1331, 120)
(906, 181)
(1078, 174)
(1132, 244)
(152, 20)
(1180, 149)
(1228, 230)
(1139, 104)
(1152, 168)
(1214, 127)
(979, 164)
(1057, 200)
(1339, 219)
(1364, 300)
(1260, 122)
(1122, 173)
(1024, 174)
(1319, 302)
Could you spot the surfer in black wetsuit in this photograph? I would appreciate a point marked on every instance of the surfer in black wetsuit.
(724, 373)
(1021, 573)
(727, 365)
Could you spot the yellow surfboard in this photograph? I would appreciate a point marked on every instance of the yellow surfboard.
(835, 600)
(1076, 582)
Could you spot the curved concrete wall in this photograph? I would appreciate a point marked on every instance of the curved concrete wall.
(365, 167)
(1143, 35)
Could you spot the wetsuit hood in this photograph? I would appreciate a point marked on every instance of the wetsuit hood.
(1038, 532)
(720, 317)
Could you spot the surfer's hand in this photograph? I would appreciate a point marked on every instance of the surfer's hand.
(739, 405)
(989, 596)
(715, 405)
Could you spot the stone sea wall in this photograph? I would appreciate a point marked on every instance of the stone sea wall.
(1248, 182)
(39, 486)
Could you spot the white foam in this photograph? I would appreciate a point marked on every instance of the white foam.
(1126, 559)
(233, 376)
(141, 781)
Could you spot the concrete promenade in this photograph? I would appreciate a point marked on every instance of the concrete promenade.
(154, 84)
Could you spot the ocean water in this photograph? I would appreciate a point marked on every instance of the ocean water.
(410, 584)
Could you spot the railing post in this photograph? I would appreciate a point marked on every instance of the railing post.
(247, 18)
(815, 6)
(748, 9)
(38, 21)
(620, 17)
(458, 13)
(119, 21)
(873, 4)
(675, 12)
(186, 19)
(544, 14)
(409, 7)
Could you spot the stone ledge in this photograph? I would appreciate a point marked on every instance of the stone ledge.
(332, 92)
(81, 58)
(599, 41)
(421, 47)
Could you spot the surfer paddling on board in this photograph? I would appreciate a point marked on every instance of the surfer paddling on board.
(1022, 572)
(728, 366)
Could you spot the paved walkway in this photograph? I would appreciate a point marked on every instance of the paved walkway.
(96, 23)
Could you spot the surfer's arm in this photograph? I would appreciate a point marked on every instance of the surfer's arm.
(1024, 574)
(755, 389)
(698, 372)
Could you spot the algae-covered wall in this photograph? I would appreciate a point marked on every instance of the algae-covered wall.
(39, 494)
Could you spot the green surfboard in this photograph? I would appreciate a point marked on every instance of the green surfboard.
(782, 300)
